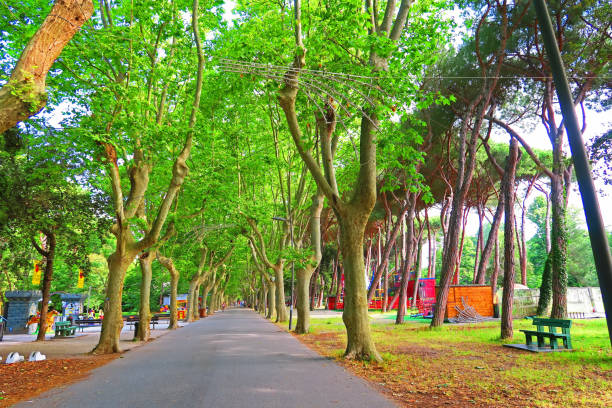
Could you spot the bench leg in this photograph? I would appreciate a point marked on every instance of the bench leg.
(528, 339)
(553, 343)
(540, 342)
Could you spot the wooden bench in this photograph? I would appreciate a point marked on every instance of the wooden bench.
(64, 329)
(133, 320)
(547, 329)
(82, 323)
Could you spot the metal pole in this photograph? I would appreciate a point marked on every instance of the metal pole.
(597, 231)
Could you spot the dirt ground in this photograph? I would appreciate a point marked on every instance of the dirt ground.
(67, 362)
(441, 375)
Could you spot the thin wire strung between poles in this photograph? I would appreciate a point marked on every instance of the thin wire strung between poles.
(328, 74)
(306, 86)
(323, 113)
(334, 76)
(343, 79)
(311, 84)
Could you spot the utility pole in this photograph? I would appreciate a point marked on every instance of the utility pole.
(590, 203)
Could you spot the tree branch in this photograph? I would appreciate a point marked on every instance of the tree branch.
(400, 20)
(24, 94)
(38, 248)
(527, 148)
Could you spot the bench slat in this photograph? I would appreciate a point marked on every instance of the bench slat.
(538, 321)
(545, 334)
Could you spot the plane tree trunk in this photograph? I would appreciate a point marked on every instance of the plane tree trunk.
(304, 274)
(168, 263)
(194, 287)
(352, 215)
(118, 263)
(126, 247)
(360, 345)
(24, 94)
(144, 331)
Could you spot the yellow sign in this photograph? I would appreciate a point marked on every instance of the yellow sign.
(37, 273)
(81, 282)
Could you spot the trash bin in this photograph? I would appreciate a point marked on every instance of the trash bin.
(136, 324)
(202, 312)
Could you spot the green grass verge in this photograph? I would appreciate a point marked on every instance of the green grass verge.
(471, 356)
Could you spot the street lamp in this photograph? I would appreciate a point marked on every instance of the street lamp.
(292, 265)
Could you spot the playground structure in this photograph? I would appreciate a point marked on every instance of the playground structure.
(181, 305)
(426, 295)
(479, 297)
(34, 322)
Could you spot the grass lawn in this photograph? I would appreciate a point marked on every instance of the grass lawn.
(466, 365)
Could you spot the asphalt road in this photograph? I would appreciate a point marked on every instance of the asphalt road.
(233, 359)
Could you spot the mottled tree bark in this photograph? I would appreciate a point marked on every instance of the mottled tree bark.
(279, 280)
(304, 274)
(118, 263)
(260, 257)
(144, 331)
(194, 287)
(271, 301)
(24, 94)
(126, 248)
(355, 316)
(168, 263)
(353, 214)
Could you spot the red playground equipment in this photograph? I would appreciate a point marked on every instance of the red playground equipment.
(426, 295)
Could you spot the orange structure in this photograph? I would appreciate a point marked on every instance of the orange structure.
(480, 297)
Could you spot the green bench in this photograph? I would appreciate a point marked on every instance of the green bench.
(63, 329)
(547, 329)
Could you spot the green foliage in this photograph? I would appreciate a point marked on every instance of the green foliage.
(40, 193)
(545, 288)
(580, 263)
(111, 79)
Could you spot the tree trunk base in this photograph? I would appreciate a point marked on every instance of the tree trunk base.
(105, 348)
(362, 352)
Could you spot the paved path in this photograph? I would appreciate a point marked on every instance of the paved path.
(233, 359)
